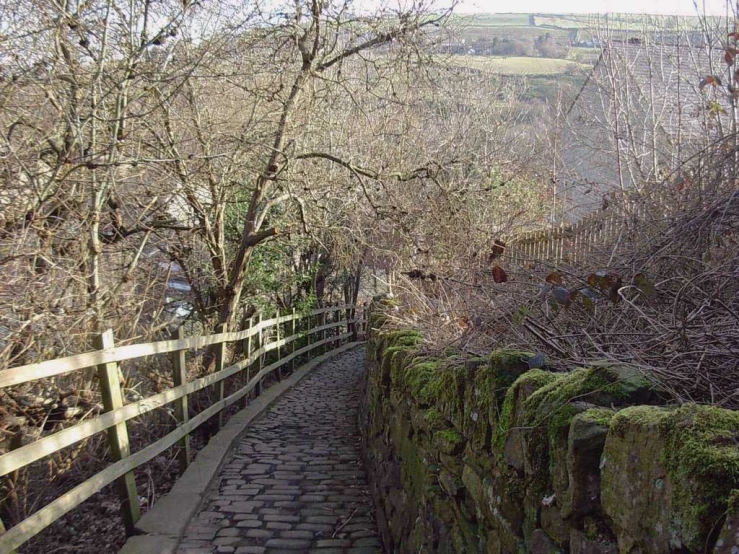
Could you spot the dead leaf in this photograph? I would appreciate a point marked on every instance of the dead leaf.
(499, 275)
(498, 249)
(709, 80)
(730, 55)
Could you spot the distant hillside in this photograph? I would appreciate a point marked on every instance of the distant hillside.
(576, 27)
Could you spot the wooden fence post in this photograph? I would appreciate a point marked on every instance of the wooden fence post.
(260, 343)
(110, 388)
(335, 318)
(279, 355)
(351, 314)
(561, 245)
(321, 322)
(308, 334)
(247, 349)
(179, 377)
(220, 361)
(340, 329)
(331, 332)
(344, 327)
(294, 343)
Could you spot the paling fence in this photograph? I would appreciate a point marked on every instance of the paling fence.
(592, 236)
(282, 336)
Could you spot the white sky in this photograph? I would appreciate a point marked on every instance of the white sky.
(678, 7)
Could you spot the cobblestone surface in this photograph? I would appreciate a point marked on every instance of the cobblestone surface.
(295, 482)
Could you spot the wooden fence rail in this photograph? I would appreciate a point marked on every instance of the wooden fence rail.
(342, 327)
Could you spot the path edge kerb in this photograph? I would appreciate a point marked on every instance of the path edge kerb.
(162, 527)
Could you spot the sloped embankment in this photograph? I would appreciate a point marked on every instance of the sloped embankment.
(487, 455)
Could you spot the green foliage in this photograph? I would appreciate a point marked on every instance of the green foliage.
(306, 304)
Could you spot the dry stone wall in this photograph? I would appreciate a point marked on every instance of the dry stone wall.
(487, 455)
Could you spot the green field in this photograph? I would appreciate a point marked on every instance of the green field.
(630, 22)
(634, 22)
(543, 54)
(584, 55)
(516, 65)
(493, 19)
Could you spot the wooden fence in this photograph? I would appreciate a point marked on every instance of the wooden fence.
(333, 326)
(570, 243)
(595, 234)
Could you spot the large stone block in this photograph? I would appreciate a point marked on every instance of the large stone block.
(667, 475)
(450, 386)
(510, 433)
(498, 505)
(488, 381)
(587, 437)
(477, 403)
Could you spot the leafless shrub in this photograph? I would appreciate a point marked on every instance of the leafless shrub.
(661, 295)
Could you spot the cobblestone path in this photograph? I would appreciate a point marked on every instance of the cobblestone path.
(295, 482)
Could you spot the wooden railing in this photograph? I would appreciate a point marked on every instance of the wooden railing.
(334, 326)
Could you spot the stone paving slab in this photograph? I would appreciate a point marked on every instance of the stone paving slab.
(295, 482)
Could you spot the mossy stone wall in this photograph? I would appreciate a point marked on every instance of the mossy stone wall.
(486, 455)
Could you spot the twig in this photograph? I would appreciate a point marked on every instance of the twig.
(344, 524)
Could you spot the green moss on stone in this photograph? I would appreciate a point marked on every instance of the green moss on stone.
(434, 418)
(703, 447)
(599, 416)
(509, 365)
(413, 469)
(446, 391)
(602, 386)
(398, 361)
(394, 349)
(698, 449)
(548, 413)
(417, 376)
(511, 360)
(402, 337)
(449, 441)
(533, 379)
(480, 403)
(640, 416)
(551, 405)
(559, 423)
